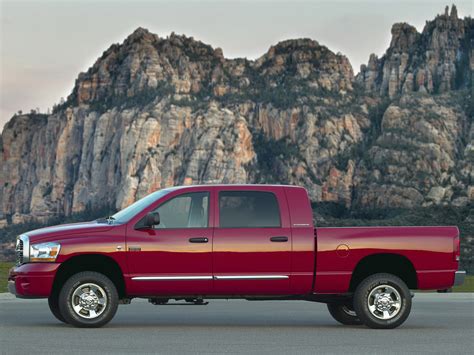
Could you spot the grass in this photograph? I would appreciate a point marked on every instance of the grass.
(468, 285)
(4, 268)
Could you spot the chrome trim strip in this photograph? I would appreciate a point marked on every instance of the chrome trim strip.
(250, 277)
(229, 277)
(434, 271)
(170, 278)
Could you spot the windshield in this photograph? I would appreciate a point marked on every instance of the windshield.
(129, 212)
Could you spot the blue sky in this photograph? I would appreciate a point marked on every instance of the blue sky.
(44, 44)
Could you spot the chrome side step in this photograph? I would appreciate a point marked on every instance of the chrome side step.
(187, 302)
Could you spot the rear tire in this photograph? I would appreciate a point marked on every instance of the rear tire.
(53, 304)
(344, 314)
(382, 301)
(88, 300)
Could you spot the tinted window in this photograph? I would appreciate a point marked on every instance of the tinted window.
(185, 211)
(248, 209)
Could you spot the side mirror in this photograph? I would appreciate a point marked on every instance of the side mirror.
(152, 219)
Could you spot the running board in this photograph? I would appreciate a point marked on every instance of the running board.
(187, 302)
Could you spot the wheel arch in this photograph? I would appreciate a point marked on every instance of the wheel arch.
(392, 263)
(90, 262)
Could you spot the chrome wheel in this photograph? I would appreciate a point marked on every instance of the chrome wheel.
(384, 302)
(349, 311)
(344, 313)
(89, 300)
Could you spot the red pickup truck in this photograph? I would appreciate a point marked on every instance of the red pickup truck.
(255, 242)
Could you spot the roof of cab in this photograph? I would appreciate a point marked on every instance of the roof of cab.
(180, 187)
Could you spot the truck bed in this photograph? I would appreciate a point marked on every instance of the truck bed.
(430, 251)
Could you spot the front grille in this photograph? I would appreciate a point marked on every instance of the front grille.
(19, 251)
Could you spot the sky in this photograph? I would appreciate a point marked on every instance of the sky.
(45, 44)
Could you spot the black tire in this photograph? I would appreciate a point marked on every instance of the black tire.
(395, 300)
(54, 307)
(344, 314)
(98, 285)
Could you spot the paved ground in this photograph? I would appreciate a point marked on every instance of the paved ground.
(439, 323)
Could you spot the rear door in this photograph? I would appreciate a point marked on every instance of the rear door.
(252, 241)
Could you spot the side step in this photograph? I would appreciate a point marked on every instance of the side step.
(187, 302)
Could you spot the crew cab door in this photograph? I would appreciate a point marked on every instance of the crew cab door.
(174, 258)
(252, 241)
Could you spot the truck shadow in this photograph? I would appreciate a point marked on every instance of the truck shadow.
(222, 324)
(163, 326)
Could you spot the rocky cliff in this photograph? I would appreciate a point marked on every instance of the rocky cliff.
(433, 61)
(154, 112)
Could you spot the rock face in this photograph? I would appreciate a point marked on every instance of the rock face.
(155, 112)
(418, 157)
(434, 61)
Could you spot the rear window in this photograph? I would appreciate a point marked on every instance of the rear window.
(248, 209)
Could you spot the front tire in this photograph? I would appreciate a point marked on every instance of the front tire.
(344, 314)
(382, 301)
(88, 300)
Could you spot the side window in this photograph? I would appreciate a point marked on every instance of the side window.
(248, 209)
(185, 211)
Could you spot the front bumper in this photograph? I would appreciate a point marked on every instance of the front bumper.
(12, 287)
(34, 280)
(459, 278)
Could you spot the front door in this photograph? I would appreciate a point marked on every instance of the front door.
(252, 241)
(175, 257)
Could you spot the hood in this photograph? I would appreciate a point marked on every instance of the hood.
(66, 230)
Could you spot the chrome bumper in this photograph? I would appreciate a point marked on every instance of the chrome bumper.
(12, 287)
(459, 278)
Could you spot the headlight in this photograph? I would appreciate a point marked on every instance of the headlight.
(44, 252)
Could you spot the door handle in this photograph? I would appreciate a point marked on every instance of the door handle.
(279, 239)
(198, 240)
